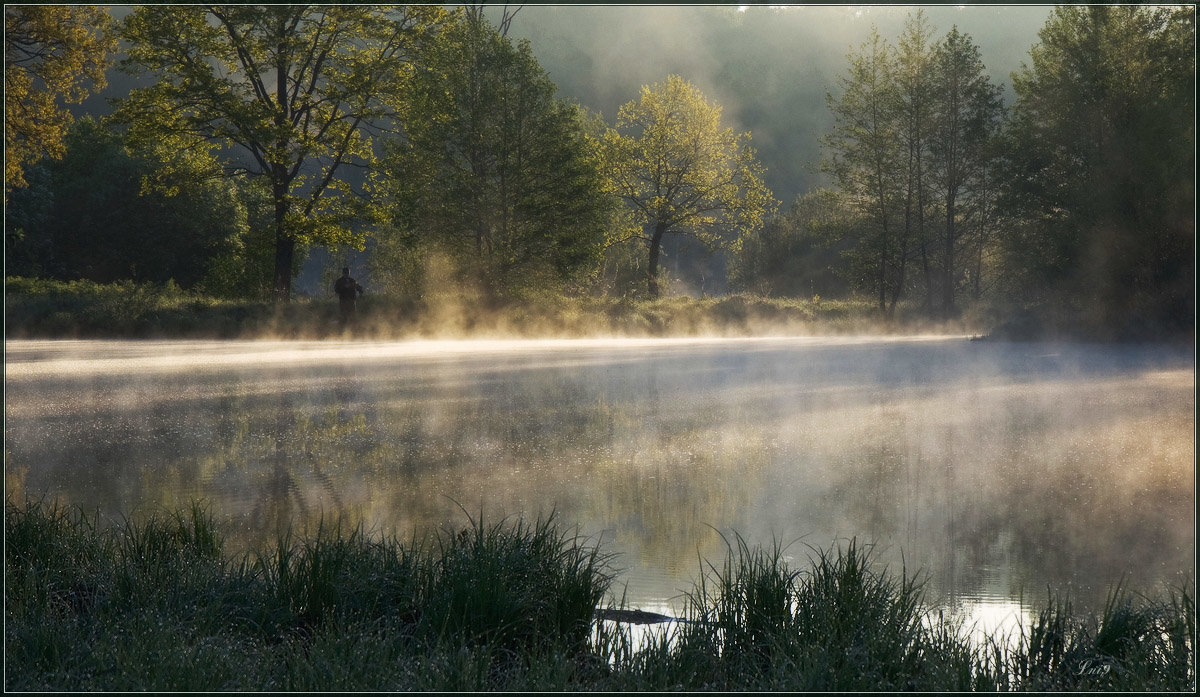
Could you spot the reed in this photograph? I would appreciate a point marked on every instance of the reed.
(156, 603)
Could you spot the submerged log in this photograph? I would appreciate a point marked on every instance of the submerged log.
(634, 616)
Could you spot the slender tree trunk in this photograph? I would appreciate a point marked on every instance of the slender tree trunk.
(927, 273)
(883, 280)
(948, 270)
(652, 268)
(981, 238)
(285, 243)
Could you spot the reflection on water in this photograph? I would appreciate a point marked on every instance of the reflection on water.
(997, 469)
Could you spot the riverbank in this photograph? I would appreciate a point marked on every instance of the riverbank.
(36, 308)
(157, 604)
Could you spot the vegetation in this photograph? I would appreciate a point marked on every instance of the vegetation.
(436, 146)
(294, 88)
(50, 54)
(908, 153)
(681, 172)
(157, 603)
(1098, 168)
(485, 130)
(1080, 202)
(81, 309)
(85, 216)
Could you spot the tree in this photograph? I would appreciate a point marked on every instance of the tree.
(915, 93)
(295, 89)
(798, 253)
(909, 146)
(865, 158)
(967, 110)
(681, 172)
(51, 53)
(494, 168)
(84, 216)
(1099, 166)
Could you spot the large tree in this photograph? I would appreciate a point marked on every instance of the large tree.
(1100, 163)
(681, 172)
(51, 54)
(865, 155)
(967, 109)
(293, 89)
(915, 94)
(909, 148)
(494, 169)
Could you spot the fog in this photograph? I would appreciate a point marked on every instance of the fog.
(997, 469)
(769, 67)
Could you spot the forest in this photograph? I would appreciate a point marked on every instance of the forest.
(429, 148)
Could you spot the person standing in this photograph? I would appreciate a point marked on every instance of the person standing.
(347, 290)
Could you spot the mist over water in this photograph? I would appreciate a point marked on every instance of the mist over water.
(998, 469)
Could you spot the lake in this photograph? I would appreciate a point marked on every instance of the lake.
(998, 469)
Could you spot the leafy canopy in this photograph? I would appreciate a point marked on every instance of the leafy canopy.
(495, 170)
(681, 172)
(680, 168)
(291, 90)
(51, 53)
(1100, 162)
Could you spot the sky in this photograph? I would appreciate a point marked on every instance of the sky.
(769, 67)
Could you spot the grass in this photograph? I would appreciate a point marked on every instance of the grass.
(80, 309)
(157, 604)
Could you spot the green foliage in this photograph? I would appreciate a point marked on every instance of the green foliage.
(494, 172)
(909, 150)
(1148, 645)
(681, 173)
(515, 587)
(50, 54)
(245, 269)
(155, 604)
(46, 308)
(863, 157)
(1099, 162)
(799, 253)
(967, 110)
(85, 217)
(293, 88)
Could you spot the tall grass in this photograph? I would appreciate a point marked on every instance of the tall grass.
(47, 308)
(156, 604)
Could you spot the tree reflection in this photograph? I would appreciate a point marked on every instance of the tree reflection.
(996, 486)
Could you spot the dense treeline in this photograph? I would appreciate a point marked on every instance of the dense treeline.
(1074, 208)
(440, 145)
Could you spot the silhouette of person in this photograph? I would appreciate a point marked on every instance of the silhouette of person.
(347, 290)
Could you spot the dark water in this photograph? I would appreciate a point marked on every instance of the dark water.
(997, 469)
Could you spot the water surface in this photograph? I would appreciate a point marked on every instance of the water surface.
(998, 469)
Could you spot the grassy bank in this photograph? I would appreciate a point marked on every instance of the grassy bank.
(157, 604)
(80, 309)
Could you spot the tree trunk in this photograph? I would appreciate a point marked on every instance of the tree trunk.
(948, 270)
(652, 268)
(978, 289)
(285, 243)
(285, 248)
(285, 251)
(883, 261)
